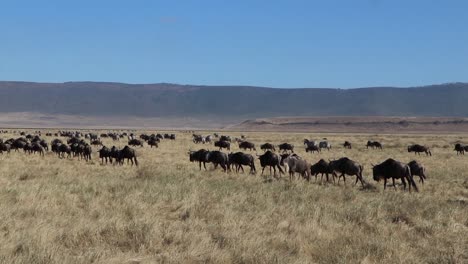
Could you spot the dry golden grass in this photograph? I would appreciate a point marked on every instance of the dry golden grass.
(167, 211)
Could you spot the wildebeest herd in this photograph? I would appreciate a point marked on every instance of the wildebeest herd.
(75, 144)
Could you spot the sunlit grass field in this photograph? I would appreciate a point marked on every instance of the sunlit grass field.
(168, 211)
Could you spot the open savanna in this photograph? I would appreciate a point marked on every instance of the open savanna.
(167, 211)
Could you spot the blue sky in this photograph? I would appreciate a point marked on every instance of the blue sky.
(265, 43)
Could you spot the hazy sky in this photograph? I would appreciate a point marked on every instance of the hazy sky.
(244, 42)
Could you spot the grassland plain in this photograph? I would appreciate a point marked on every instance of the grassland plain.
(167, 211)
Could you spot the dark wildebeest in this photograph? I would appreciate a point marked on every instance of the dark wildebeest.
(312, 148)
(200, 155)
(105, 154)
(87, 151)
(293, 163)
(347, 145)
(62, 149)
(374, 144)
(96, 142)
(267, 146)
(285, 147)
(460, 149)
(321, 167)
(247, 145)
(325, 144)
(218, 158)
(36, 147)
(417, 170)
(223, 144)
(393, 169)
(225, 138)
(270, 159)
(5, 147)
(18, 144)
(129, 154)
(238, 159)
(417, 149)
(153, 142)
(198, 139)
(310, 142)
(135, 142)
(346, 166)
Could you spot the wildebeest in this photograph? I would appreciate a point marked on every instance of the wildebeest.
(460, 149)
(312, 148)
(346, 166)
(247, 145)
(218, 158)
(200, 155)
(310, 142)
(129, 154)
(223, 144)
(198, 139)
(105, 154)
(417, 149)
(325, 144)
(267, 146)
(347, 145)
(374, 144)
(62, 149)
(393, 169)
(225, 138)
(417, 170)
(153, 141)
(5, 147)
(293, 164)
(238, 159)
(37, 148)
(321, 167)
(135, 142)
(285, 147)
(270, 159)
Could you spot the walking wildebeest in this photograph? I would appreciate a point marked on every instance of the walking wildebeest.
(417, 170)
(105, 154)
(5, 147)
(374, 144)
(238, 159)
(200, 155)
(270, 159)
(218, 158)
(153, 141)
(347, 166)
(310, 142)
(293, 163)
(285, 147)
(267, 146)
(135, 142)
(321, 167)
(347, 145)
(393, 169)
(129, 154)
(225, 138)
(312, 148)
(460, 149)
(325, 144)
(247, 145)
(223, 144)
(417, 149)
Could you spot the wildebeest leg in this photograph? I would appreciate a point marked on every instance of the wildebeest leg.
(385, 183)
(404, 183)
(344, 179)
(199, 164)
(393, 181)
(204, 165)
(263, 170)
(241, 168)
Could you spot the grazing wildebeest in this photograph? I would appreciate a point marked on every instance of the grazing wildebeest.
(270, 159)
(200, 155)
(321, 167)
(247, 145)
(346, 166)
(417, 170)
(153, 142)
(312, 148)
(223, 144)
(218, 158)
(238, 159)
(285, 147)
(293, 163)
(129, 154)
(347, 145)
(105, 154)
(374, 144)
(417, 149)
(135, 142)
(460, 149)
(325, 144)
(267, 146)
(393, 169)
